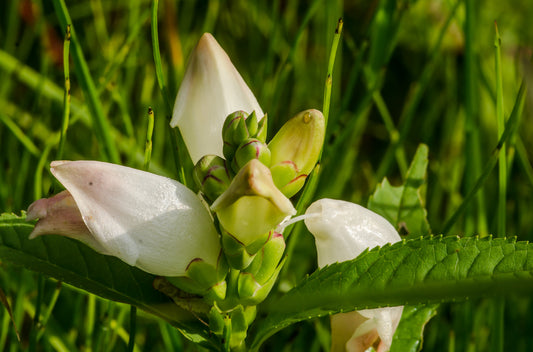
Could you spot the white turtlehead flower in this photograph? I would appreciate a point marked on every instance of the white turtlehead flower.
(146, 220)
(211, 89)
(342, 231)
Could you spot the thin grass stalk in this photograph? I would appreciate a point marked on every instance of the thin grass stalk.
(510, 127)
(499, 304)
(66, 98)
(102, 125)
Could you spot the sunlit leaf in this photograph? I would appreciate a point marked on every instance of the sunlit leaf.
(425, 270)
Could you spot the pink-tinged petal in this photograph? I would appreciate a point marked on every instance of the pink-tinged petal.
(148, 221)
(60, 215)
(211, 89)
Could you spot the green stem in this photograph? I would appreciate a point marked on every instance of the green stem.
(66, 99)
(102, 125)
(502, 194)
(331, 64)
(149, 133)
(133, 328)
(37, 315)
(510, 127)
(161, 82)
(498, 337)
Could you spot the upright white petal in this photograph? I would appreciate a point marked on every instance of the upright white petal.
(148, 221)
(342, 231)
(211, 89)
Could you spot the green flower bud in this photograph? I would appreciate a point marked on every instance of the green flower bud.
(238, 127)
(251, 291)
(252, 205)
(204, 279)
(251, 148)
(234, 323)
(212, 176)
(295, 150)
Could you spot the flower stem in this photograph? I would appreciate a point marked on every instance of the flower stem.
(66, 97)
(149, 133)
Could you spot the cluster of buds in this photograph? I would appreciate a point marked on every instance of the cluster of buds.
(248, 191)
(228, 255)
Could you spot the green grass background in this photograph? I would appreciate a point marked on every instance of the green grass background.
(407, 72)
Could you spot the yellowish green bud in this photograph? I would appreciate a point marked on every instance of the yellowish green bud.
(252, 205)
(295, 150)
(212, 176)
(251, 148)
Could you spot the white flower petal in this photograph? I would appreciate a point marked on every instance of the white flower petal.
(148, 221)
(343, 230)
(212, 88)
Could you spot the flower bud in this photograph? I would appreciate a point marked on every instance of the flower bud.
(251, 149)
(212, 176)
(211, 89)
(295, 150)
(252, 205)
(238, 127)
(237, 321)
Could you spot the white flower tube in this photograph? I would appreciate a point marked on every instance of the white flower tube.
(146, 220)
(342, 231)
(211, 89)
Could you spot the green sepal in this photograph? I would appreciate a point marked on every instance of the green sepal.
(253, 293)
(249, 149)
(236, 254)
(216, 320)
(261, 133)
(252, 124)
(204, 279)
(239, 327)
(212, 175)
(267, 259)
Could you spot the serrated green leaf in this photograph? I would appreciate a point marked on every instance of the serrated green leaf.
(409, 334)
(72, 262)
(403, 206)
(425, 270)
